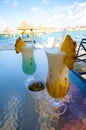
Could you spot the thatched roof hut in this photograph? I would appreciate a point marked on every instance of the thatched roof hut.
(7, 31)
(24, 27)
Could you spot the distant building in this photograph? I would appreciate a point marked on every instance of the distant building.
(7, 31)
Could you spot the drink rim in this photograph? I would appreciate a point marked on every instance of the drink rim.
(27, 46)
(54, 51)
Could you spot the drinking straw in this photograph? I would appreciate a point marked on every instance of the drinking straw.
(62, 38)
(32, 42)
(32, 39)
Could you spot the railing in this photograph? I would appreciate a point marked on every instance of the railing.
(80, 64)
(81, 48)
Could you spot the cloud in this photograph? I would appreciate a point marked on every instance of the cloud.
(45, 1)
(2, 24)
(6, 1)
(35, 10)
(72, 15)
(38, 15)
(60, 16)
(15, 3)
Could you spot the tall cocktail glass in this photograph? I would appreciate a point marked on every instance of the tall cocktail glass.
(28, 61)
(57, 82)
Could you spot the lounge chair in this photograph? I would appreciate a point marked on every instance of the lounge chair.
(80, 64)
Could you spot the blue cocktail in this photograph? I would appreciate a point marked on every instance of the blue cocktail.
(28, 61)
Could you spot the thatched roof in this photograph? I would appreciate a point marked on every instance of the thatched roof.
(25, 26)
(7, 30)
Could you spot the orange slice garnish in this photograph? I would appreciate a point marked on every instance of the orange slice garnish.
(19, 43)
(69, 47)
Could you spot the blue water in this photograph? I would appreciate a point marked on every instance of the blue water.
(10, 40)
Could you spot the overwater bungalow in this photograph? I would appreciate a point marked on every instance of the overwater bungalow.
(25, 28)
(8, 32)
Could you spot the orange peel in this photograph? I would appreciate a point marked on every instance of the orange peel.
(69, 47)
(19, 43)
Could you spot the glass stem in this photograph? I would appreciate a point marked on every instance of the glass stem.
(57, 102)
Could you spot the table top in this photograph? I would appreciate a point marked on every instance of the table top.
(19, 111)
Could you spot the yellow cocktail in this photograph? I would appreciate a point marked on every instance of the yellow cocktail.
(60, 86)
(57, 82)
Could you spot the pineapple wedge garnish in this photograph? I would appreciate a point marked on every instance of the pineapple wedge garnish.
(69, 47)
(19, 43)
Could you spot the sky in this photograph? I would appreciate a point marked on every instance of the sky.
(51, 13)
